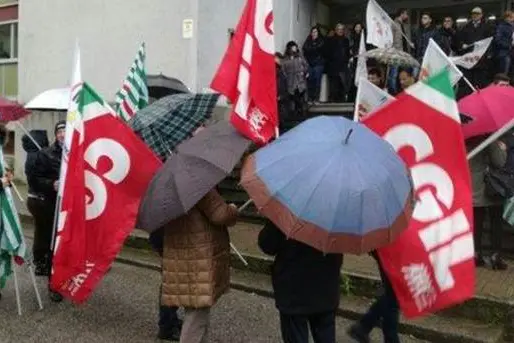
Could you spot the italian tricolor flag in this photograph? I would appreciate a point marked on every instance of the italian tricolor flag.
(430, 265)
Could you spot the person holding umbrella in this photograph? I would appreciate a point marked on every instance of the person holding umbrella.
(314, 304)
(335, 204)
(183, 201)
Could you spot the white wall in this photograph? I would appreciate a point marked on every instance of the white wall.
(303, 17)
(109, 34)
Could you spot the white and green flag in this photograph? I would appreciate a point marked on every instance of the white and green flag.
(133, 95)
(12, 242)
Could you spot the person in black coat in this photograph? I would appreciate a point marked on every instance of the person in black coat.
(338, 58)
(423, 35)
(314, 53)
(502, 43)
(282, 93)
(477, 29)
(447, 36)
(36, 203)
(306, 285)
(45, 179)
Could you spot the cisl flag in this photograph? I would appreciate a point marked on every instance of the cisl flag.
(109, 171)
(246, 76)
(369, 99)
(431, 265)
(379, 26)
(470, 59)
(435, 61)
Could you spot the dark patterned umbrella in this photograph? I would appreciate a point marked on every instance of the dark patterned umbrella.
(169, 121)
(198, 166)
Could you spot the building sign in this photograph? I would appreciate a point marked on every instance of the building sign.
(187, 28)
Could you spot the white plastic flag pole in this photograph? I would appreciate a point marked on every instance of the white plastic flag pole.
(239, 254)
(15, 189)
(492, 138)
(469, 83)
(245, 205)
(17, 122)
(16, 286)
(34, 284)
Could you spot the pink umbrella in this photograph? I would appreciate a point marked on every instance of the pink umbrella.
(491, 108)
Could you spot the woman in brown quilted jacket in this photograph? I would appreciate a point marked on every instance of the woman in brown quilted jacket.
(196, 263)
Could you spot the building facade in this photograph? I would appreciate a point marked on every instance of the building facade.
(184, 39)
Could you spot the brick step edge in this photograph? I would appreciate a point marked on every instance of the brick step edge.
(432, 328)
(260, 284)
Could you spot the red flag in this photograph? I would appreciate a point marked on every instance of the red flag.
(431, 265)
(109, 171)
(247, 75)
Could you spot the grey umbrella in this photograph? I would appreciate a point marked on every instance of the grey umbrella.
(198, 166)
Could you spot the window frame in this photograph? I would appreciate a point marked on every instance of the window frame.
(10, 23)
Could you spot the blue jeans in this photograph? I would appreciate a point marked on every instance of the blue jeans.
(314, 82)
(385, 308)
(168, 317)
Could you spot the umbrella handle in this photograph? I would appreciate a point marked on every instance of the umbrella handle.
(245, 205)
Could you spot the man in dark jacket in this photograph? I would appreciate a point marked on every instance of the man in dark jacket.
(447, 36)
(338, 57)
(503, 42)
(477, 29)
(422, 37)
(36, 203)
(306, 285)
(46, 184)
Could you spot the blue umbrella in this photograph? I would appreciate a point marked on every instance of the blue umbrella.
(332, 184)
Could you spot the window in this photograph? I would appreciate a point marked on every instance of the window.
(8, 41)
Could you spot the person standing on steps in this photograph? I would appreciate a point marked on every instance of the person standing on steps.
(314, 53)
(45, 180)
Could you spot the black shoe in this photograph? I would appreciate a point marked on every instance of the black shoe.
(357, 334)
(42, 269)
(498, 263)
(55, 297)
(479, 260)
(171, 334)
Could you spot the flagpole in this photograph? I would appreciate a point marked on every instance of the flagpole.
(34, 284)
(16, 285)
(17, 122)
(469, 83)
(492, 138)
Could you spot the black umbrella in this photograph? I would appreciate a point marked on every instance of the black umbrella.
(160, 86)
(187, 176)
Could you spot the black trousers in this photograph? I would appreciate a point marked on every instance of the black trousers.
(295, 328)
(386, 310)
(495, 226)
(43, 213)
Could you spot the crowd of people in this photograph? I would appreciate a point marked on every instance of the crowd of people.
(334, 52)
(299, 72)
